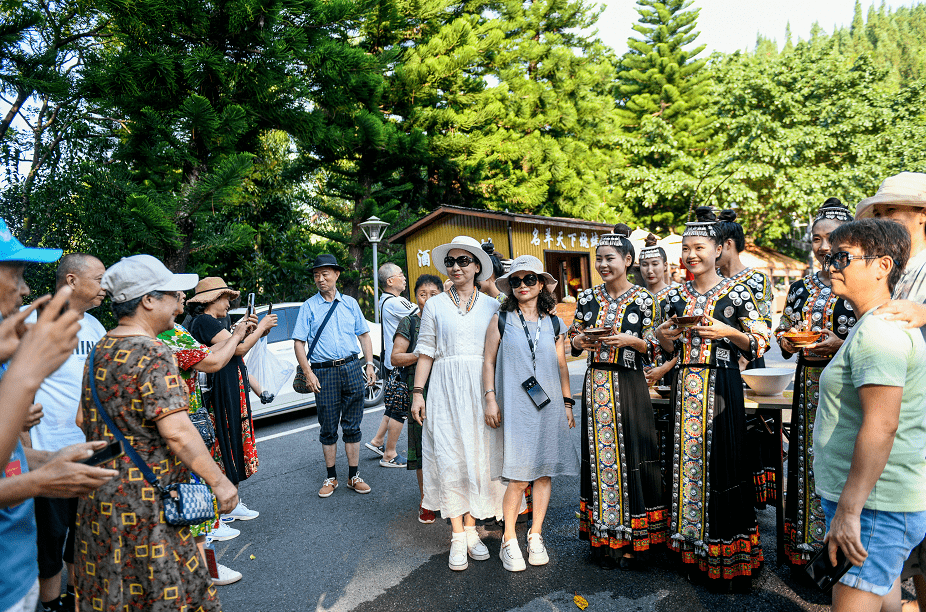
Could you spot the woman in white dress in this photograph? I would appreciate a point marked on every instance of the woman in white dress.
(459, 452)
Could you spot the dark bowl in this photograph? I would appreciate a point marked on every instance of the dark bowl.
(687, 321)
(663, 391)
(598, 331)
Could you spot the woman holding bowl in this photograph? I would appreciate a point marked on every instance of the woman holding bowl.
(811, 307)
(621, 506)
(713, 521)
(523, 342)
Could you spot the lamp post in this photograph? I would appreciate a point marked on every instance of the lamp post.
(374, 229)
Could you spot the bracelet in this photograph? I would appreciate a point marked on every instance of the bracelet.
(369, 363)
(486, 394)
(569, 402)
(418, 390)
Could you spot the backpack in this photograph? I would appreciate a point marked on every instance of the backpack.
(503, 318)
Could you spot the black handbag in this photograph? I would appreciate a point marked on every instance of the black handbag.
(395, 395)
(184, 503)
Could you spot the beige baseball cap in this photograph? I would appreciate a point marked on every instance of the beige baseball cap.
(135, 276)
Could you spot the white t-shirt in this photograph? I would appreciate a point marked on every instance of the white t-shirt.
(392, 310)
(60, 392)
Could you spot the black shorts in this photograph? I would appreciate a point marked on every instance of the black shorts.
(54, 519)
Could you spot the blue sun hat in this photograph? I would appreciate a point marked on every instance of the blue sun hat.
(14, 250)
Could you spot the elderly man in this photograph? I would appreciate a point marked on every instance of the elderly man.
(392, 309)
(330, 323)
(59, 397)
(28, 472)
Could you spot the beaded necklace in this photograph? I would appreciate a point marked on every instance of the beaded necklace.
(456, 299)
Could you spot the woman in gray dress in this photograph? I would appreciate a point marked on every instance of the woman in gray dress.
(525, 342)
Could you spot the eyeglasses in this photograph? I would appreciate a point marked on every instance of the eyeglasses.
(462, 261)
(840, 260)
(529, 280)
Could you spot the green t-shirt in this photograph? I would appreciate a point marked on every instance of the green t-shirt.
(876, 352)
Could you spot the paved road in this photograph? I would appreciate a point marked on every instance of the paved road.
(369, 552)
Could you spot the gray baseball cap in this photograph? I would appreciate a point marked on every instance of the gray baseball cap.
(139, 275)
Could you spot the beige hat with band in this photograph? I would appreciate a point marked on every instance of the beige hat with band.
(526, 263)
(904, 189)
(210, 289)
(465, 243)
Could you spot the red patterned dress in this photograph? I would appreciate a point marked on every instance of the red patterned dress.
(622, 503)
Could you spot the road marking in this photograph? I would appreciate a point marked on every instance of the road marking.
(241, 551)
(290, 432)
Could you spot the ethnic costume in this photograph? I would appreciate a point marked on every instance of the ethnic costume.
(622, 500)
(713, 521)
(816, 306)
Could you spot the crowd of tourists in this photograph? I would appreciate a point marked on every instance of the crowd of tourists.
(477, 366)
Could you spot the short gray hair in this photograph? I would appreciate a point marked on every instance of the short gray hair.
(72, 263)
(387, 271)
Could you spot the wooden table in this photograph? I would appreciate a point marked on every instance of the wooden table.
(764, 406)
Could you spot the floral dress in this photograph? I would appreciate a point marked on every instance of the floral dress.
(622, 504)
(813, 304)
(127, 557)
(713, 518)
(188, 352)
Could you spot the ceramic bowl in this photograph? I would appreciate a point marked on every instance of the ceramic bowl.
(802, 339)
(768, 381)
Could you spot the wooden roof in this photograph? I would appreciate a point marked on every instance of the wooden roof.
(760, 257)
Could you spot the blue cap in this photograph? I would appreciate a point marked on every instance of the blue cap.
(13, 250)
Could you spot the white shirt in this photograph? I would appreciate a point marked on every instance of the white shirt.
(392, 310)
(60, 392)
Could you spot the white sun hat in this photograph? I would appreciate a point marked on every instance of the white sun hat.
(906, 188)
(526, 263)
(467, 244)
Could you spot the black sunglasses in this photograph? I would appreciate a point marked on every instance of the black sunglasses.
(462, 261)
(840, 260)
(529, 280)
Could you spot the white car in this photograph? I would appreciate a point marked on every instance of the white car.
(280, 344)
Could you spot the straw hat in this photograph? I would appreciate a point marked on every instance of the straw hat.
(210, 289)
(467, 244)
(906, 188)
(525, 263)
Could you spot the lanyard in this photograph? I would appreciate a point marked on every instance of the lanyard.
(531, 343)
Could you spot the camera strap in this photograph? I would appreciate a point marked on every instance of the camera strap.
(532, 343)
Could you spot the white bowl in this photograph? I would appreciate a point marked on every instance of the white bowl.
(768, 381)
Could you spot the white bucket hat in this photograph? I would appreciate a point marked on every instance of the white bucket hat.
(135, 276)
(526, 263)
(467, 244)
(906, 188)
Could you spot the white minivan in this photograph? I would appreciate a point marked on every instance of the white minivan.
(281, 345)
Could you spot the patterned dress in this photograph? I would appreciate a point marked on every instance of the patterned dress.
(622, 503)
(713, 520)
(188, 352)
(816, 306)
(128, 557)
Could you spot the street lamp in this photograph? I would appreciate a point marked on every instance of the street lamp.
(374, 229)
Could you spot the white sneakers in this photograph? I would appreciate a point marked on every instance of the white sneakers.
(477, 550)
(226, 576)
(240, 513)
(536, 551)
(222, 533)
(458, 560)
(511, 556)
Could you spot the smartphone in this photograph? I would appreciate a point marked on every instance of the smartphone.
(250, 304)
(536, 392)
(823, 573)
(269, 310)
(109, 453)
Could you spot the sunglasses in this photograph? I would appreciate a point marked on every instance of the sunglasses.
(840, 260)
(529, 280)
(462, 261)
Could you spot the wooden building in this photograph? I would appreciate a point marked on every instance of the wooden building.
(565, 246)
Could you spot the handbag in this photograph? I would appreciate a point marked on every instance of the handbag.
(300, 383)
(184, 503)
(395, 395)
(203, 425)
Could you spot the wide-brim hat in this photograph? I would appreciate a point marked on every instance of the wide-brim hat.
(467, 244)
(326, 260)
(906, 189)
(138, 275)
(210, 289)
(526, 263)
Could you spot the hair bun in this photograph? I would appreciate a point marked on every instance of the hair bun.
(705, 214)
(650, 240)
(728, 215)
(488, 247)
(834, 203)
(622, 229)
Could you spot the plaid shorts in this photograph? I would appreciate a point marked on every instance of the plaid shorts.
(340, 399)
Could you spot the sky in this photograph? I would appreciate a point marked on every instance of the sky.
(729, 25)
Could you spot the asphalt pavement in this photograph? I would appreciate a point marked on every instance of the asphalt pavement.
(369, 552)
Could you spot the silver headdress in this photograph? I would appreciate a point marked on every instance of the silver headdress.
(839, 213)
(705, 229)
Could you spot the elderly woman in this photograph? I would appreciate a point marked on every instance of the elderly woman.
(526, 340)
(459, 449)
(235, 447)
(870, 431)
(129, 558)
